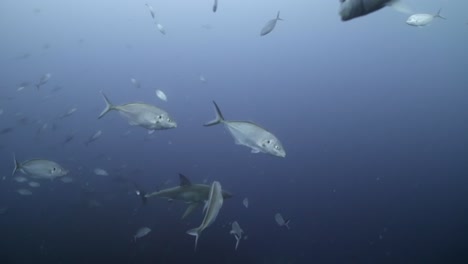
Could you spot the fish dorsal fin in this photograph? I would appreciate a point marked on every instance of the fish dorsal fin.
(184, 181)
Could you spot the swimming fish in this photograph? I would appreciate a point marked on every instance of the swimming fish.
(270, 25)
(140, 114)
(93, 138)
(237, 232)
(39, 168)
(161, 95)
(151, 10)
(280, 220)
(420, 20)
(68, 113)
(250, 135)
(161, 28)
(213, 205)
(24, 192)
(100, 172)
(141, 233)
(245, 202)
(44, 79)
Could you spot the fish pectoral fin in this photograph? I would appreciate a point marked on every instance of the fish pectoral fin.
(192, 207)
(150, 132)
(255, 150)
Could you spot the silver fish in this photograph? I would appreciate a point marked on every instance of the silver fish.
(212, 206)
(250, 135)
(39, 169)
(270, 25)
(420, 20)
(161, 28)
(140, 114)
(44, 79)
(237, 232)
(68, 113)
(245, 202)
(141, 233)
(94, 137)
(151, 10)
(280, 220)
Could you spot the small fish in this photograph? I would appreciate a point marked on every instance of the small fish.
(141, 233)
(161, 28)
(237, 232)
(212, 207)
(250, 135)
(140, 114)
(66, 179)
(100, 172)
(151, 11)
(39, 168)
(68, 139)
(215, 5)
(94, 137)
(135, 82)
(421, 20)
(161, 95)
(34, 184)
(68, 113)
(6, 130)
(24, 192)
(44, 79)
(245, 202)
(280, 220)
(20, 179)
(270, 25)
(350, 9)
(202, 79)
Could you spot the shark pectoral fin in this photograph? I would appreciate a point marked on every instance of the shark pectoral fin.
(192, 207)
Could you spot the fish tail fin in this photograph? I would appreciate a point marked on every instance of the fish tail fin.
(237, 241)
(108, 108)
(219, 117)
(195, 232)
(278, 16)
(17, 166)
(287, 223)
(438, 14)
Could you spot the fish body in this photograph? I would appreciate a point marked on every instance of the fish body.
(69, 113)
(161, 28)
(193, 194)
(44, 79)
(101, 172)
(270, 25)
(161, 95)
(141, 233)
(213, 206)
(237, 231)
(39, 169)
(280, 220)
(151, 11)
(140, 114)
(421, 20)
(245, 202)
(94, 137)
(250, 135)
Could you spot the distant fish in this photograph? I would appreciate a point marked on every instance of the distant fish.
(44, 79)
(34, 184)
(1, 111)
(24, 192)
(100, 172)
(421, 20)
(280, 220)
(6, 130)
(140, 114)
(215, 5)
(66, 179)
(202, 79)
(135, 82)
(161, 95)
(141, 233)
(69, 113)
(270, 25)
(161, 28)
(68, 139)
(151, 10)
(212, 207)
(250, 135)
(39, 169)
(245, 202)
(20, 179)
(350, 9)
(56, 89)
(94, 137)
(237, 231)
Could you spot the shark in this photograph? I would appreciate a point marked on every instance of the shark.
(195, 195)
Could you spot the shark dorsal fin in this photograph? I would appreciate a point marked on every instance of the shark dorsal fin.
(184, 181)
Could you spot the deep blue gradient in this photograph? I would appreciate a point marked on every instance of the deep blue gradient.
(373, 115)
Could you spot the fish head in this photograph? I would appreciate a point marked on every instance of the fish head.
(163, 121)
(412, 20)
(57, 171)
(273, 146)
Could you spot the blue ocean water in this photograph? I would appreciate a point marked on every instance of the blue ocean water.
(372, 113)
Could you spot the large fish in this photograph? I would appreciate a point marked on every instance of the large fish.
(350, 9)
(193, 194)
(213, 205)
(140, 114)
(39, 169)
(270, 25)
(250, 135)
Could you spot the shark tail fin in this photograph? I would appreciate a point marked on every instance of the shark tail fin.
(108, 108)
(219, 117)
(17, 166)
(278, 16)
(195, 232)
(287, 223)
(438, 14)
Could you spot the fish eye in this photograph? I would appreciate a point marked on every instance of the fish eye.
(160, 116)
(268, 141)
(277, 147)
